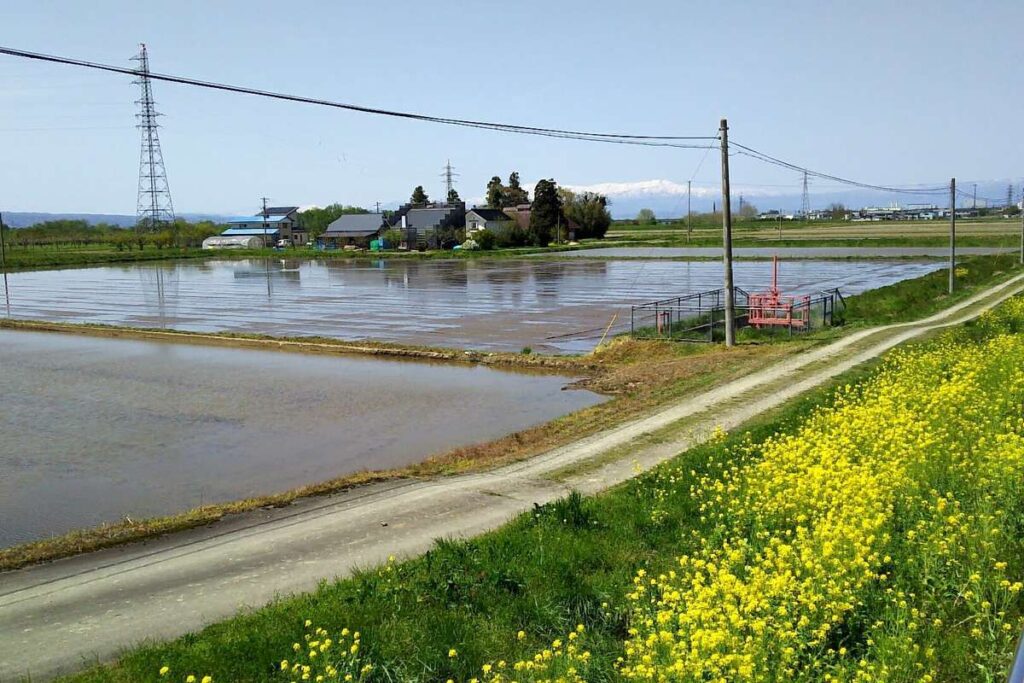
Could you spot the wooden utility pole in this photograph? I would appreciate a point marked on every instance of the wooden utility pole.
(266, 262)
(688, 212)
(264, 221)
(730, 314)
(952, 234)
(3, 265)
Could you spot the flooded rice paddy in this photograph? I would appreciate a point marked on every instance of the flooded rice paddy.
(560, 306)
(94, 429)
(784, 252)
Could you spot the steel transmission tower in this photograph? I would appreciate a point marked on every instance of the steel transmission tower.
(154, 206)
(805, 204)
(449, 176)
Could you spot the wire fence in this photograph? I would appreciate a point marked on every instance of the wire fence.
(700, 317)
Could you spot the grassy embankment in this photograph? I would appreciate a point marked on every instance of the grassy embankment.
(638, 376)
(974, 232)
(39, 257)
(898, 555)
(43, 257)
(982, 232)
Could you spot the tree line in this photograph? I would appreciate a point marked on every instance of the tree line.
(555, 211)
(81, 233)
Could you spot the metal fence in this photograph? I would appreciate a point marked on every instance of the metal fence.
(700, 317)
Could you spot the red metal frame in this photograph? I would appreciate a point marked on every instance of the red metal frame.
(771, 308)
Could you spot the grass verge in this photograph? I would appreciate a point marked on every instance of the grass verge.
(587, 565)
(547, 571)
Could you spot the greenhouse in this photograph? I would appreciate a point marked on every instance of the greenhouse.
(233, 242)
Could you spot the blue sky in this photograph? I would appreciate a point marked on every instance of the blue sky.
(894, 93)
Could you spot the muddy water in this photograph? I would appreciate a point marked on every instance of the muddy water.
(552, 306)
(94, 429)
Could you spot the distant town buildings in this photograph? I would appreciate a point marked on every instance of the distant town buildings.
(913, 212)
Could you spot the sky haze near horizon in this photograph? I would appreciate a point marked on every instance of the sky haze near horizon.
(886, 93)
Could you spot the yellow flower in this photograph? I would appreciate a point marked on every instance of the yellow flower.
(453, 653)
(164, 670)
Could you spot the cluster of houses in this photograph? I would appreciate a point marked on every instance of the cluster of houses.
(910, 213)
(420, 226)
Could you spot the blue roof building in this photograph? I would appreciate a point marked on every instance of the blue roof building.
(279, 223)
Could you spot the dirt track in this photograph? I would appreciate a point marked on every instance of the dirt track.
(57, 617)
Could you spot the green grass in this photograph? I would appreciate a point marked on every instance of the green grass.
(543, 573)
(923, 296)
(705, 234)
(31, 258)
(903, 301)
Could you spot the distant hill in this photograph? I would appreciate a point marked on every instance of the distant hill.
(23, 219)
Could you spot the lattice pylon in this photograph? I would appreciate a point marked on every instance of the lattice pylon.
(154, 207)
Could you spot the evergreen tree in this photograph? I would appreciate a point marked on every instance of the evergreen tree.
(419, 196)
(453, 196)
(514, 193)
(545, 213)
(495, 193)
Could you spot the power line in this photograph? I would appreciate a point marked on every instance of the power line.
(674, 141)
(761, 156)
(989, 201)
(677, 141)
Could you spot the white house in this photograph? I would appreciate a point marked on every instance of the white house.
(493, 220)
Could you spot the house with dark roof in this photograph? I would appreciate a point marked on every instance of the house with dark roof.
(277, 224)
(492, 220)
(430, 227)
(353, 229)
(520, 213)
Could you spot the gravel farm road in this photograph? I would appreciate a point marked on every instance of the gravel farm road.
(62, 616)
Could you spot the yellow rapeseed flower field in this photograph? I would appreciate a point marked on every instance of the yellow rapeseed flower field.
(842, 551)
(854, 547)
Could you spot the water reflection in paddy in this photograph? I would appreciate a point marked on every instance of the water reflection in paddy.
(500, 304)
(95, 429)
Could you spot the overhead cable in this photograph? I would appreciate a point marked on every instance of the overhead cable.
(678, 141)
(761, 156)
